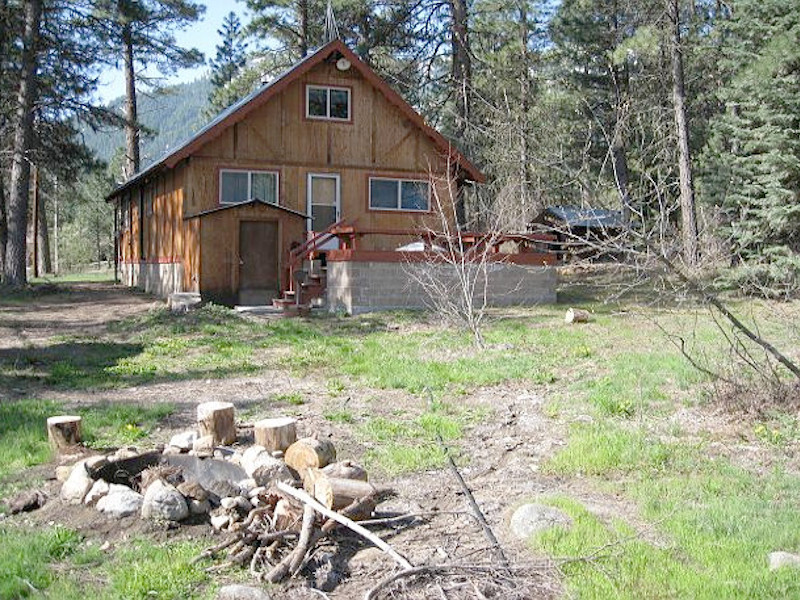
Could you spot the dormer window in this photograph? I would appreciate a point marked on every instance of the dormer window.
(327, 102)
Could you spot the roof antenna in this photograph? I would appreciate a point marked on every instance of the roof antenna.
(331, 30)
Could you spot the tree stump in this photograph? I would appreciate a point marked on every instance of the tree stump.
(276, 434)
(577, 315)
(309, 453)
(217, 420)
(64, 432)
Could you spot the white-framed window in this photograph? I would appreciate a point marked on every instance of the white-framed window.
(387, 193)
(236, 186)
(328, 102)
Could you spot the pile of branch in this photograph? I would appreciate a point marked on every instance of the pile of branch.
(278, 535)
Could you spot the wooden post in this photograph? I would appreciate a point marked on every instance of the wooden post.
(217, 420)
(63, 432)
(276, 434)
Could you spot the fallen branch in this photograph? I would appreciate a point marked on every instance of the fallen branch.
(487, 531)
(303, 497)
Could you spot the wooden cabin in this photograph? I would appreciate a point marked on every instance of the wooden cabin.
(327, 145)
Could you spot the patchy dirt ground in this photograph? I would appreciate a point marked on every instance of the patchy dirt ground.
(504, 450)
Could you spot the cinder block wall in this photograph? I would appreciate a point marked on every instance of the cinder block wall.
(356, 287)
(161, 279)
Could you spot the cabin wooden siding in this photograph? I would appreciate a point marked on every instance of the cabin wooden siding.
(379, 141)
(219, 246)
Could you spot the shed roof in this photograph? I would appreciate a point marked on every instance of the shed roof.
(591, 218)
(238, 111)
(251, 202)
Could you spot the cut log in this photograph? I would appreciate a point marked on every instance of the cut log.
(309, 453)
(217, 420)
(276, 434)
(64, 432)
(577, 315)
(336, 493)
(345, 469)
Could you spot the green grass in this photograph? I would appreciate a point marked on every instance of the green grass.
(23, 431)
(25, 558)
(56, 563)
(718, 521)
(401, 445)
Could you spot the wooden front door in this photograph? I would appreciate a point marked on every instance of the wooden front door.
(258, 262)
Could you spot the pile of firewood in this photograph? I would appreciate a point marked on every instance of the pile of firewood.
(276, 530)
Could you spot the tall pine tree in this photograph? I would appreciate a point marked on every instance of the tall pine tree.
(752, 167)
(230, 59)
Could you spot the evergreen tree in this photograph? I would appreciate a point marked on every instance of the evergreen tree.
(143, 31)
(752, 167)
(231, 57)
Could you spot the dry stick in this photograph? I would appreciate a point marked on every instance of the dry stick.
(295, 557)
(487, 531)
(734, 320)
(303, 497)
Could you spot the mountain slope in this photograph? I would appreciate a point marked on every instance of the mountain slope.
(172, 116)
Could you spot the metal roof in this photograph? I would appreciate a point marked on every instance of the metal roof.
(591, 218)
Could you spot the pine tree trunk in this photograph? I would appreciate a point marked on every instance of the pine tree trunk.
(3, 224)
(688, 214)
(14, 266)
(303, 28)
(43, 240)
(131, 119)
(462, 66)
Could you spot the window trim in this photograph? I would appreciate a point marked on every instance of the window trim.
(249, 185)
(328, 88)
(400, 181)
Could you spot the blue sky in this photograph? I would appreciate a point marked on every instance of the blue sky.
(202, 35)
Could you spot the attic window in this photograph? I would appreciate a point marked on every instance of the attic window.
(326, 102)
(237, 186)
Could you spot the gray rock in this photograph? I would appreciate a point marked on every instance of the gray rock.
(199, 507)
(120, 502)
(242, 592)
(183, 441)
(220, 521)
(99, 489)
(530, 519)
(247, 485)
(782, 559)
(203, 446)
(163, 501)
(208, 471)
(77, 484)
(264, 468)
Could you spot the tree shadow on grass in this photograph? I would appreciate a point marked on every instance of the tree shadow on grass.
(96, 365)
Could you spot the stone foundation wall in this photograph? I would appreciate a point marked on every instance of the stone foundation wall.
(360, 286)
(160, 279)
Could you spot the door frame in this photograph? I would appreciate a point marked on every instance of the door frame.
(309, 177)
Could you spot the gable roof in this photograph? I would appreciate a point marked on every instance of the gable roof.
(251, 202)
(239, 111)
